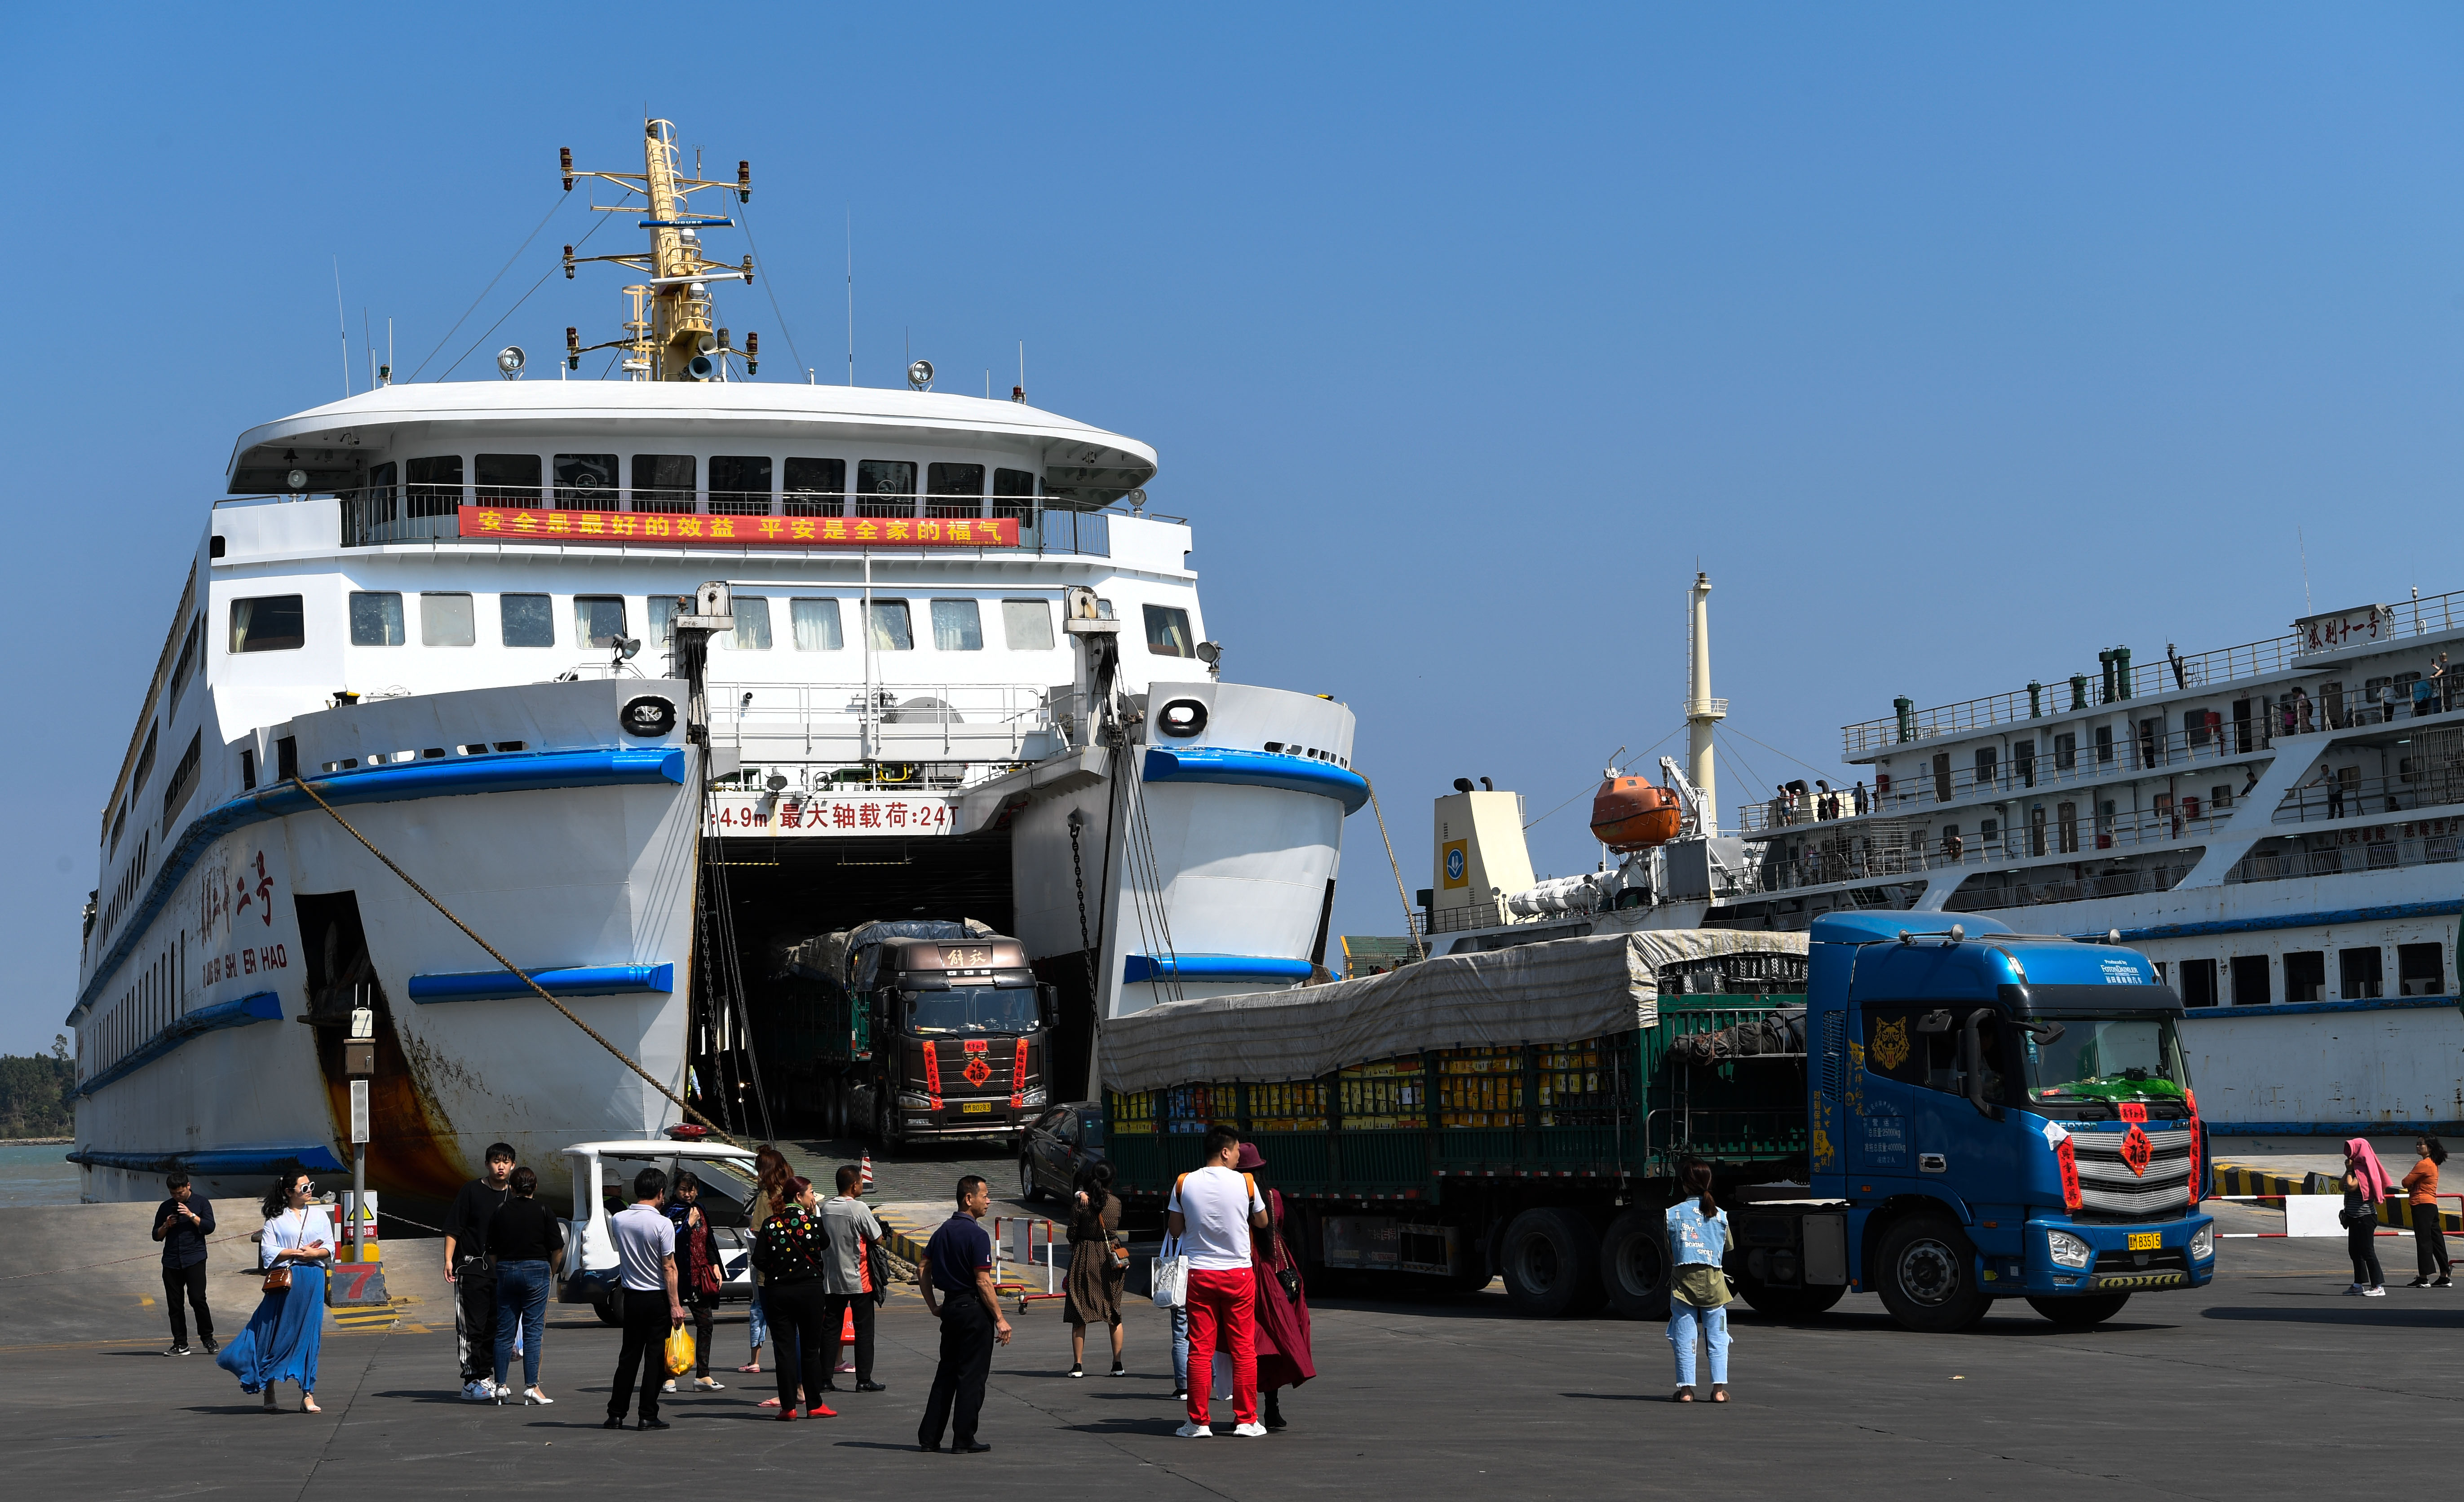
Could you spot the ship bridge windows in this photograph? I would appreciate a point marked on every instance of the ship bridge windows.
(268, 623)
(433, 487)
(740, 485)
(662, 611)
(445, 620)
(816, 488)
(585, 481)
(598, 619)
(376, 619)
(526, 620)
(953, 490)
(508, 479)
(2305, 976)
(662, 482)
(752, 632)
(1013, 493)
(815, 624)
(956, 625)
(1168, 631)
(890, 629)
(885, 487)
(1026, 625)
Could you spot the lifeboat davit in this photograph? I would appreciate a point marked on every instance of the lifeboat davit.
(1630, 814)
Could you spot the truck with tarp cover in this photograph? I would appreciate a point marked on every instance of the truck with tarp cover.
(1945, 1118)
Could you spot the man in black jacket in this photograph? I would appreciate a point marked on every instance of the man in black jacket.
(182, 1225)
(473, 1275)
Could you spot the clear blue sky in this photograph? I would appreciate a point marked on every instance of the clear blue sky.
(1957, 342)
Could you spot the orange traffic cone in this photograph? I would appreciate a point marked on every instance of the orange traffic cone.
(847, 1341)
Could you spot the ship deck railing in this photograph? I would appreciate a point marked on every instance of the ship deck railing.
(2277, 655)
(2085, 839)
(2050, 768)
(2390, 846)
(798, 723)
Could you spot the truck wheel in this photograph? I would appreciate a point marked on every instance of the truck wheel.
(2081, 1312)
(610, 1307)
(1553, 1263)
(1790, 1303)
(1634, 1264)
(885, 1125)
(1927, 1274)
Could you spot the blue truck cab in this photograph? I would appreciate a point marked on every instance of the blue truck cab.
(2005, 1116)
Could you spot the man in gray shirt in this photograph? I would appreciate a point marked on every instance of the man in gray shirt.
(646, 1241)
(852, 1232)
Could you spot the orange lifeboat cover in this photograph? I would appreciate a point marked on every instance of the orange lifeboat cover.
(1632, 812)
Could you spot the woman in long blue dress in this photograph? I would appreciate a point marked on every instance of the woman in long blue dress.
(281, 1341)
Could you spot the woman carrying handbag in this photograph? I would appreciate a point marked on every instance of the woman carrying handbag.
(1285, 1355)
(1098, 1265)
(283, 1337)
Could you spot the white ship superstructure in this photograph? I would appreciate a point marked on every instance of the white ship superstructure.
(964, 673)
(2274, 824)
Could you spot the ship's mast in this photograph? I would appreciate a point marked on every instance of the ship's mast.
(669, 335)
(1701, 710)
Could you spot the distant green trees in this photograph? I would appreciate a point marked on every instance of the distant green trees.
(35, 1093)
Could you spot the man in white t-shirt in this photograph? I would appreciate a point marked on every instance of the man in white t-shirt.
(1212, 1211)
(646, 1243)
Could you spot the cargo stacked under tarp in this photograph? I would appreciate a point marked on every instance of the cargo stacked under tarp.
(1502, 998)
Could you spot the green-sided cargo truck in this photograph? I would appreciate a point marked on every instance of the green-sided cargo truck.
(1955, 1133)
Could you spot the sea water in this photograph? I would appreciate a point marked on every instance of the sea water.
(37, 1176)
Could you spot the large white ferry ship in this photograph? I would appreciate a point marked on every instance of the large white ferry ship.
(2274, 824)
(963, 673)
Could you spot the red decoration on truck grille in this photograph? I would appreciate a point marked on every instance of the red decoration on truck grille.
(2067, 1158)
(932, 1072)
(2137, 1150)
(977, 1071)
(1018, 1077)
(2198, 1167)
(2133, 1110)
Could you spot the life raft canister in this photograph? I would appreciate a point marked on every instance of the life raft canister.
(1630, 814)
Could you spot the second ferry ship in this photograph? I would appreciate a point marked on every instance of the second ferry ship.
(2274, 824)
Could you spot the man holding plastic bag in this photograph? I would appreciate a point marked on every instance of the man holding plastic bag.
(646, 1241)
(1211, 1214)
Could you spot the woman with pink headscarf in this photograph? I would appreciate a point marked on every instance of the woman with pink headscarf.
(2365, 1189)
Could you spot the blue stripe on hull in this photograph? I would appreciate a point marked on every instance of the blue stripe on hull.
(221, 1162)
(2375, 1004)
(493, 985)
(2258, 925)
(1297, 774)
(262, 1006)
(1213, 967)
(506, 772)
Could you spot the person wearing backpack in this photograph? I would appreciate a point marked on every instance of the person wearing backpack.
(1698, 1291)
(2365, 1189)
(793, 1253)
(1212, 1213)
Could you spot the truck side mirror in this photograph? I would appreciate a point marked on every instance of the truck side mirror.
(1971, 1062)
(1935, 1021)
(1048, 1005)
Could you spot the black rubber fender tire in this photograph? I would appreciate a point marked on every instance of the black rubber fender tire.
(1924, 1268)
(2081, 1311)
(1553, 1263)
(1633, 1264)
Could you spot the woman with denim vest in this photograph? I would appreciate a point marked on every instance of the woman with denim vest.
(1698, 1291)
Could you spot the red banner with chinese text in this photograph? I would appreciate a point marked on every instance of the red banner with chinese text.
(659, 529)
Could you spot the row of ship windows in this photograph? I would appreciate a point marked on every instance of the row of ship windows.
(741, 485)
(2361, 975)
(278, 623)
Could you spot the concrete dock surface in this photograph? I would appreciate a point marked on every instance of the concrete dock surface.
(2266, 1383)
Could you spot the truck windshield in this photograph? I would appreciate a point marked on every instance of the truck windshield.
(2112, 1059)
(973, 1009)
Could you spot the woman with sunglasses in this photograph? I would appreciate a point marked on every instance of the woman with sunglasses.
(281, 1341)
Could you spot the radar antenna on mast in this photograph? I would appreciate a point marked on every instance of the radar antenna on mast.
(670, 334)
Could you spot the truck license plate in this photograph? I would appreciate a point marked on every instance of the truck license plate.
(984, 1108)
(2140, 1241)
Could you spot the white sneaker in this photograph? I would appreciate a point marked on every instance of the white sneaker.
(1250, 1431)
(1194, 1431)
(2375, 1292)
(668, 1386)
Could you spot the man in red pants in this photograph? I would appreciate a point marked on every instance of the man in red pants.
(1211, 1214)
